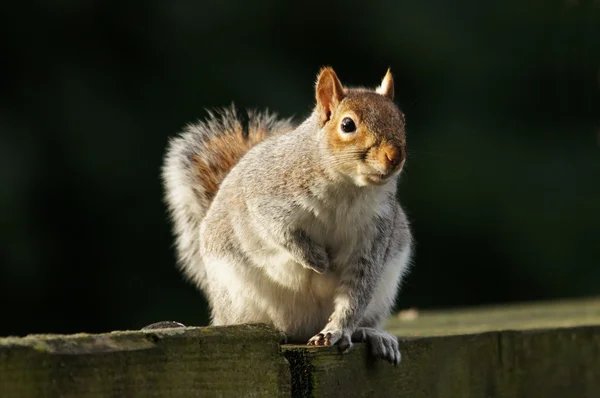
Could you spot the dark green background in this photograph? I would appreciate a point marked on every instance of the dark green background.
(503, 108)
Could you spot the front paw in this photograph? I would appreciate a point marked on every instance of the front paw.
(317, 259)
(382, 344)
(328, 336)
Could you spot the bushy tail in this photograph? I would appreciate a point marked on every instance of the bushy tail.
(196, 163)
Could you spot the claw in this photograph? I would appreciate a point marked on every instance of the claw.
(329, 337)
(382, 344)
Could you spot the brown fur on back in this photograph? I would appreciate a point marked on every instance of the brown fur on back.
(225, 140)
(226, 151)
(196, 163)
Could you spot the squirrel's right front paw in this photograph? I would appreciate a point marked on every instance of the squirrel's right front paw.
(340, 337)
(317, 259)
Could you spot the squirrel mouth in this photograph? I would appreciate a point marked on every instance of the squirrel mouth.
(378, 178)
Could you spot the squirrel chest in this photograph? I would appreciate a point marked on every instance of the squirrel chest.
(343, 229)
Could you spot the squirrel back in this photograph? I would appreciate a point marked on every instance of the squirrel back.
(196, 163)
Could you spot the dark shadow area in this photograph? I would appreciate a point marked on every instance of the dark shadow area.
(502, 183)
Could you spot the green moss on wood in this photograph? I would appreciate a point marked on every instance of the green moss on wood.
(549, 350)
(541, 350)
(531, 316)
(226, 361)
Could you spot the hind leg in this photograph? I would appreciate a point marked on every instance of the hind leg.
(231, 293)
(370, 330)
(381, 343)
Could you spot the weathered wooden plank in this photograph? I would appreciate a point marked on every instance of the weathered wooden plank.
(522, 316)
(537, 350)
(545, 363)
(191, 362)
(541, 350)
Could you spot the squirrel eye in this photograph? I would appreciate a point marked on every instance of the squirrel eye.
(348, 125)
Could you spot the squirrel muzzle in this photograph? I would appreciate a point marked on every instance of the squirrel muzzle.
(387, 160)
(390, 157)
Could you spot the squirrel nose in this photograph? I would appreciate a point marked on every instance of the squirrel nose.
(391, 156)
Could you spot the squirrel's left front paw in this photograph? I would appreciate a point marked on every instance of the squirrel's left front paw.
(382, 344)
(328, 336)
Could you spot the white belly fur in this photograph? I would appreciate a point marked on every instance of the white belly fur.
(293, 299)
(276, 290)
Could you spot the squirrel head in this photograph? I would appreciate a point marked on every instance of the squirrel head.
(362, 130)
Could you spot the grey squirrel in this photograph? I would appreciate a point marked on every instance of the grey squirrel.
(297, 227)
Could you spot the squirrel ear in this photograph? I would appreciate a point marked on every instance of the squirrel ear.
(329, 93)
(387, 86)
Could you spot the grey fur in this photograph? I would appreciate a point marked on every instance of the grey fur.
(287, 240)
(186, 198)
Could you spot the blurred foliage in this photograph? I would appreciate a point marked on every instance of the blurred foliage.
(503, 108)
